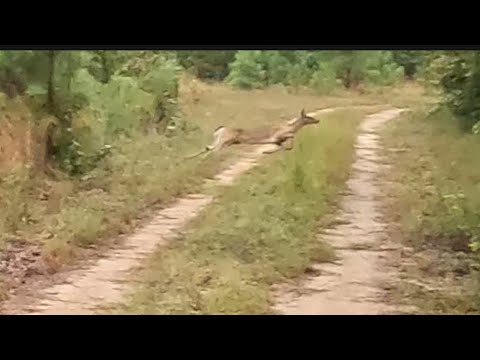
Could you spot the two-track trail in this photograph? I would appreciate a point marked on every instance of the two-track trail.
(105, 281)
(349, 288)
(355, 284)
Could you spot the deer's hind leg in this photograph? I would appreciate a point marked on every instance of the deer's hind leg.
(218, 140)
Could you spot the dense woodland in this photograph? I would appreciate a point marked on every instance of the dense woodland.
(83, 102)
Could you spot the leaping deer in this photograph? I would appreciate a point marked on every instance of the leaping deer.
(281, 136)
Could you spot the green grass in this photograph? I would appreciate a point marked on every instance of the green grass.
(436, 202)
(438, 179)
(260, 231)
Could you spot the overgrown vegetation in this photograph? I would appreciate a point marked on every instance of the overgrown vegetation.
(321, 70)
(440, 186)
(88, 134)
(96, 96)
(456, 74)
(435, 186)
(207, 65)
(436, 201)
(260, 231)
(412, 62)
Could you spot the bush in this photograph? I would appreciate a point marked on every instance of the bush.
(256, 69)
(317, 69)
(96, 95)
(248, 70)
(382, 69)
(213, 65)
(323, 80)
(277, 67)
(410, 60)
(457, 74)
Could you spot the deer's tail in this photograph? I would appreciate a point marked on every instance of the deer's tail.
(207, 149)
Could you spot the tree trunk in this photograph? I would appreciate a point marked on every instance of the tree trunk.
(51, 80)
(347, 81)
(105, 66)
(410, 70)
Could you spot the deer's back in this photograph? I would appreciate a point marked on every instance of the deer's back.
(247, 136)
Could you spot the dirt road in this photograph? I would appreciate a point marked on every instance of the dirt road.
(355, 283)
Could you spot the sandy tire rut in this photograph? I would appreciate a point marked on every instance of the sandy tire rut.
(356, 283)
(350, 287)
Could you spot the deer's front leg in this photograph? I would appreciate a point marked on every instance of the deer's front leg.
(278, 148)
(288, 144)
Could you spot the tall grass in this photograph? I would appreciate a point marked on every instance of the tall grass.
(439, 179)
(260, 231)
(436, 202)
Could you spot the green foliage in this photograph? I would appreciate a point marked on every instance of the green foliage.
(439, 194)
(211, 65)
(351, 67)
(317, 69)
(248, 70)
(377, 67)
(257, 69)
(457, 74)
(382, 69)
(121, 91)
(277, 67)
(324, 80)
(410, 60)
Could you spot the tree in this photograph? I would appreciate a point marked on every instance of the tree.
(410, 60)
(457, 75)
(211, 65)
(93, 96)
(248, 70)
(52, 55)
(350, 67)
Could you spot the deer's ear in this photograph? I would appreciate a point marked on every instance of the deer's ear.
(302, 113)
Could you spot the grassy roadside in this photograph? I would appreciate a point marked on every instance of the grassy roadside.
(258, 232)
(435, 205)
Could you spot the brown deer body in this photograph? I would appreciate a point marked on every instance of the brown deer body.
(281, 136)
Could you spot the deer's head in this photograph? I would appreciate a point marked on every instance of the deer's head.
(307, 120)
